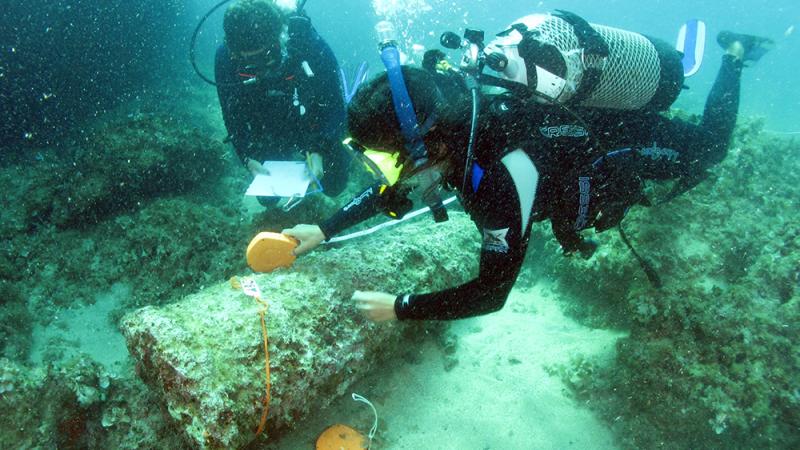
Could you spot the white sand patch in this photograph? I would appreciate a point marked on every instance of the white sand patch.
(499, 396)
(88, 330)
(692, 247)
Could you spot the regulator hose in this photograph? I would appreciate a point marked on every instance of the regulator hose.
(194, 42)
(473, 131)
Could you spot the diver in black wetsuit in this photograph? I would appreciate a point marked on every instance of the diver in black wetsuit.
(281, 97)
(531, 164)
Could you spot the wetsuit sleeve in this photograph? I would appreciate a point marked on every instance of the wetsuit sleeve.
(328, 123)
(374, 200)
(330, 120)
(499, 216)
(229, 93)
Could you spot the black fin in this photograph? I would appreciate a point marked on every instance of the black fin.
(754, 46)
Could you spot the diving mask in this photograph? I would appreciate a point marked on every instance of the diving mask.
(384, 166)
(387, 167)
(261, 64)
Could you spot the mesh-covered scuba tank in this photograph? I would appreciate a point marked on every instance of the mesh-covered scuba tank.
(564, 59)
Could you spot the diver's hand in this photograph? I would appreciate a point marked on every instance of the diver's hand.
(256, 168)
(376, 306)
(315, 164)
(310, 236)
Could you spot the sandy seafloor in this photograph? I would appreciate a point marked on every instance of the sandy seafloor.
(498, 396)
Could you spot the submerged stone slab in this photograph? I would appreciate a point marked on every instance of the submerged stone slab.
(204, 357)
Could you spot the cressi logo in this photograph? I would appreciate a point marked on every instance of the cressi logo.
(574, 131)
(360, 199)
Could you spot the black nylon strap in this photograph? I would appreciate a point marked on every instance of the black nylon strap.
(595, 47)
(652, 274)
(592, 42)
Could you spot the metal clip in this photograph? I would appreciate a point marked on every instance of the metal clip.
(291, 203)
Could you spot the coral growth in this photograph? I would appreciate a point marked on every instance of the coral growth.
(204, 354)
(712, 357)
(78, 405)
(15, 322)
(116, 168)
(143, 201)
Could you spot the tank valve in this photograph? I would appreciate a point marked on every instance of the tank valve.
(497, 61)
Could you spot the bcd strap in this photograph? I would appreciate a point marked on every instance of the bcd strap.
(512, 86)
(595, 50)
(592, 42)
(520, 27)
(647, 267)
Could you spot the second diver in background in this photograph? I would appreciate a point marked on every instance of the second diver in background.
(280, 93)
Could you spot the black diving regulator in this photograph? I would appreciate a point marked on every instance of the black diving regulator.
(475, 57)
(473, 61)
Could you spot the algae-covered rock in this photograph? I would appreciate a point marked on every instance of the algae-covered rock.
(166, 249)
(15, 322)
(114, 168)
(77, 405)
(204, 354)
(712, 356)
(23, 418)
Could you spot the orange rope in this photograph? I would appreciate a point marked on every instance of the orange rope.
(262, 313)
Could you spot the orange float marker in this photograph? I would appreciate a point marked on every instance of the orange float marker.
(340, 437)
(268, 251)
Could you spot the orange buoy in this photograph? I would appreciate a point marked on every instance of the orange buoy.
(268, 251)
(340, 437)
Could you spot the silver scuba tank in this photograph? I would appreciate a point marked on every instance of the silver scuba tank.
(564, 59)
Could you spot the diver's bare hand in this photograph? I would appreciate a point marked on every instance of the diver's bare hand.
(256, 168)
(310, 236)
(376, 306)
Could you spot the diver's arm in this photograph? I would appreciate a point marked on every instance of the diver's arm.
(483, 295)
(506, 230)
(328, 93)
(228, 92)
(374, 200)
(330, 119)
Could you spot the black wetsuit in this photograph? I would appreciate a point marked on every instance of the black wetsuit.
(579, 180)
(291, 112)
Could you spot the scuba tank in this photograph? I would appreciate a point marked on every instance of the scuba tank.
(561, 58)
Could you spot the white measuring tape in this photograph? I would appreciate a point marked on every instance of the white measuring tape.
(388, 224)
(781, 132)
